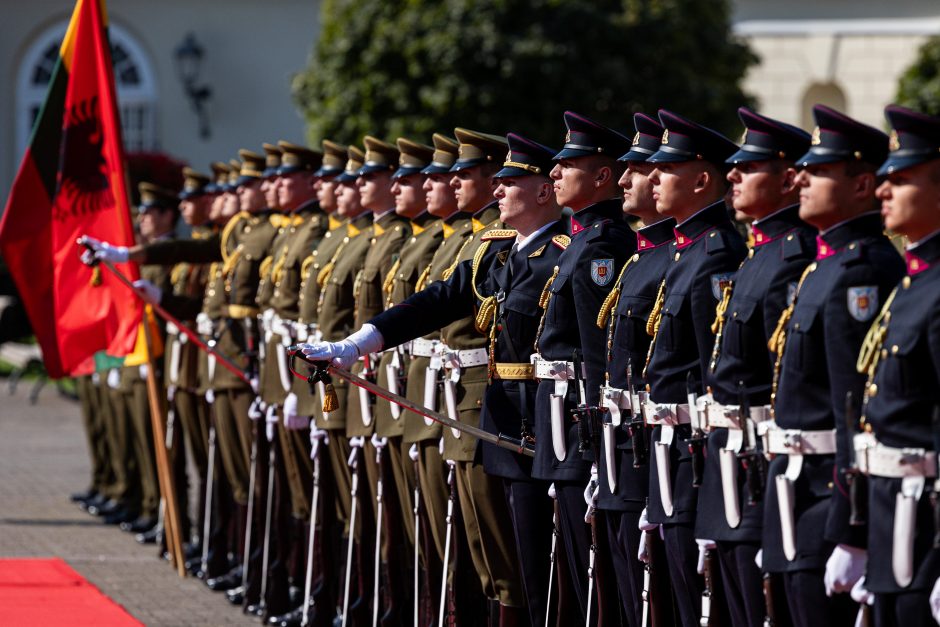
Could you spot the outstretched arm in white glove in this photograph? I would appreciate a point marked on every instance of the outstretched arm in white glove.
(344, 353)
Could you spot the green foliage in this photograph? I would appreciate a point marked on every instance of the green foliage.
(411, 67)
(919, 86)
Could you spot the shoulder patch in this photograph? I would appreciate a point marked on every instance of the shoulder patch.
(863, 302)
(494, 234)
(602, 271)
(719, 282)
(562, 241)
(715, 241)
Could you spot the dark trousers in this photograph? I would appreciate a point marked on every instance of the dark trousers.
(809, 605)
(623, 535)
(531, 512)
(742, 583)
(682, 558)
(907, 609)
(575, 537)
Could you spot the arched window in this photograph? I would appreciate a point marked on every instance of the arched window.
(136, 87)
(828, 94)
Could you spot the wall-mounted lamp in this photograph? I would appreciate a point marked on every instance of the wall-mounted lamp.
(188, 57)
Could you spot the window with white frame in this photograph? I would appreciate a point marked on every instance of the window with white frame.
(133, 75)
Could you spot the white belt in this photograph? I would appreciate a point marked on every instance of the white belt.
(796, 442)
(554, 370)
(423, 348)
(465, 358)
(729, 416)
(876, 459)
(666, 413)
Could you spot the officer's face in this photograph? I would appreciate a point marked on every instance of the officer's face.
(473, 189)
(326, 193)
(409, 197)
(293, 190)
(758, 188)
(229, 203)
(348, 204)
(674, 188)
(195, 211)
(575, 182)
(375, 190)
(154, 222)
(910, 200)
(216, 207)
(269, 190)
(250, 197)
(439, 195)
(828, 194)
(638, 191)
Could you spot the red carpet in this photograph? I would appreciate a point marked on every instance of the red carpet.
(49, 592)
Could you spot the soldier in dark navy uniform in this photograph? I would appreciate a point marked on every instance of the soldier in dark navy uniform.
(806, 510)
(689, 185)
(586, 173)
(623, 480)
(901, 356)
(740, 368)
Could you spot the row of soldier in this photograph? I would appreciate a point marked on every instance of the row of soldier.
(693, 400)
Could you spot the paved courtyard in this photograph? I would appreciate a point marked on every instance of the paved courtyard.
(43, 458)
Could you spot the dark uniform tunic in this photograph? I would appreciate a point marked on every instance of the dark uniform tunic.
(902, 398)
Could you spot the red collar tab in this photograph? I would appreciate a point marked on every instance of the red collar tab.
(915, 265)
(760, 238)
(576, 227)
(682, 241)
(823, 250)
(643, 243)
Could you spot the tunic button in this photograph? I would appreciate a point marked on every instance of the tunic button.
(677, 256)
(479, 402)
(894, 349)
(873, 390)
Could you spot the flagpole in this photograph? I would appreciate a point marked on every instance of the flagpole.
(171, 520)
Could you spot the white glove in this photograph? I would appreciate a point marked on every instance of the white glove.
(860, 594)
(256, 409)
(142, 371)
(413, 452)
(844, 567)
(170, 392)
(440, 446)
(114, 378)
(204, 324)
(114, 254)
(645, 524)
(379, 444)
(270, 422)
(590, 494)
(255, 384)
(935, 601)
(642, 554)
(147, 291)
(292, 421)
(88, 257)
(318, 437)
(551, 491)
(344, 354)
(703, 545)
(210, 397)
(355, 445)
(759, 559)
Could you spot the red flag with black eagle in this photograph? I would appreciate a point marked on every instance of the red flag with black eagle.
(72, 182)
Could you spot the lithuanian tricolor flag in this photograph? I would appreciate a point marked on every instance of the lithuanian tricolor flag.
(72, 182)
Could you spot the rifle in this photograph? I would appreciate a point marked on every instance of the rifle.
(770, 615)
(751, 456)
(709, 619)
(696, 441)
(639, 434)
(858, 487)
(582, 413)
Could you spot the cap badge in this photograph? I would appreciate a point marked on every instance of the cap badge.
(568, 137)
(743, 137)
(636, 139)
(508, 156)
(817, 139)
(893, 142)
(666, 136)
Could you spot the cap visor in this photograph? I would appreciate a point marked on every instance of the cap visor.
(284, 170)
(661, 156)
(368, 169)
(244, 180)
(327, 172)
(405, 171)
(635, 155)
(435, 169)
(896, 164)
(347, 177)
(743, 156)
(812, 158)
(573, 153)
(463, 164)
(512, 172)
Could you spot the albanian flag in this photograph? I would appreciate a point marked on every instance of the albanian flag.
(72, 182)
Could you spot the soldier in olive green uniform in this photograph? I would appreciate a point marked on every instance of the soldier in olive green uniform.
(397, 468)
(156, 219)
(102, 475)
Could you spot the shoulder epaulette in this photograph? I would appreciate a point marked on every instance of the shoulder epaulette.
(853, 253)
(494, 234)
(562, 241)
(795, 246)
(715, 242)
